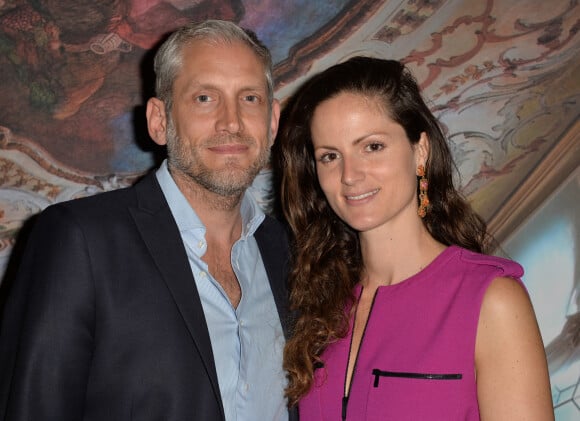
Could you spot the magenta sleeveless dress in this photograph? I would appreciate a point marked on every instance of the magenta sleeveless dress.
(416, 360)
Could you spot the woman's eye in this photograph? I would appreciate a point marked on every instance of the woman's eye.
(328, 157)
(374, 147)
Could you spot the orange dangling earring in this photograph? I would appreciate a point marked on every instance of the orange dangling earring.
(423, 186)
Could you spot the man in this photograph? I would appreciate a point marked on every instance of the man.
(166, 300)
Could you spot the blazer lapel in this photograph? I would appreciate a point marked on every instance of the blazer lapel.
(273, 244)
(161, 235)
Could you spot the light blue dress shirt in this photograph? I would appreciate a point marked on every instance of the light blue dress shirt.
(247, 341)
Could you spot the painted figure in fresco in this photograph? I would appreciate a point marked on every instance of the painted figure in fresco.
(401, 316)
(71, 69)
(165, 300)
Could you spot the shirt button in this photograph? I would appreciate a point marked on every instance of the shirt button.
(200, 244)
(202, 274)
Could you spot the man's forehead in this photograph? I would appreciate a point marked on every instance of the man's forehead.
(218, 46)
(207, 61)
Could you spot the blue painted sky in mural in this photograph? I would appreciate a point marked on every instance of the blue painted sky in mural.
(128, 155)
(545, 258)
(281, 23)
(546, 246)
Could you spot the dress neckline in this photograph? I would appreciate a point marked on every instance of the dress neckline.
(435, 265)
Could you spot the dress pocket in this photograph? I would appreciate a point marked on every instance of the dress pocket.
(406, 375)
(415, 395)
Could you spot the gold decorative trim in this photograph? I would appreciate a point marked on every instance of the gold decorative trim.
(301, 55)
(10, 141)
(558, 164)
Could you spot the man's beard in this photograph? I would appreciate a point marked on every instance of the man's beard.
(230, 181)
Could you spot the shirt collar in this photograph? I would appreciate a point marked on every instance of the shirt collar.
(187, 219)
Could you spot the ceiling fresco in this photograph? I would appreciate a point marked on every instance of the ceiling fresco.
(501, 75)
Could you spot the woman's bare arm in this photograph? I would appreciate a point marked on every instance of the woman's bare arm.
(512, 375)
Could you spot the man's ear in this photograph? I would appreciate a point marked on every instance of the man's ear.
(422, 150)
(157, 120)
(274, 120)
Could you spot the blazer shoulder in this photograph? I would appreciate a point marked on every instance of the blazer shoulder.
(110, 202)
(272, 229)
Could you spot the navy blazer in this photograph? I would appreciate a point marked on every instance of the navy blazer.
(104, 321)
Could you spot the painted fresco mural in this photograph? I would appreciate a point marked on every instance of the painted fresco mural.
(548, 246)
(501, 75)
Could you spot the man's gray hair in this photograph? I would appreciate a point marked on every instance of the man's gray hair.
(168, 59)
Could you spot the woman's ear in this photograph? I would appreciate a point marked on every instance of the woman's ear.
(157, 120)
(422, 150)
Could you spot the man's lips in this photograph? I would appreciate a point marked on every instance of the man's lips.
(234, 148)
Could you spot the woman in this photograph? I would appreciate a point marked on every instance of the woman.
(400, 315)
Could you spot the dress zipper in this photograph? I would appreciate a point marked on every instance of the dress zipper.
(345, 397)
(344, 406)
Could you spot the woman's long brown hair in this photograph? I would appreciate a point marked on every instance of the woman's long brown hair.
(327, 260)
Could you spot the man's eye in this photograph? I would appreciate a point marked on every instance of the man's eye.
(202, 98)
(252, 98)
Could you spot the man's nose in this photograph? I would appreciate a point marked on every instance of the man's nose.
(229, 119)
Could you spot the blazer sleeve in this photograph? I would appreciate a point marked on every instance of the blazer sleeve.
(46, 335)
